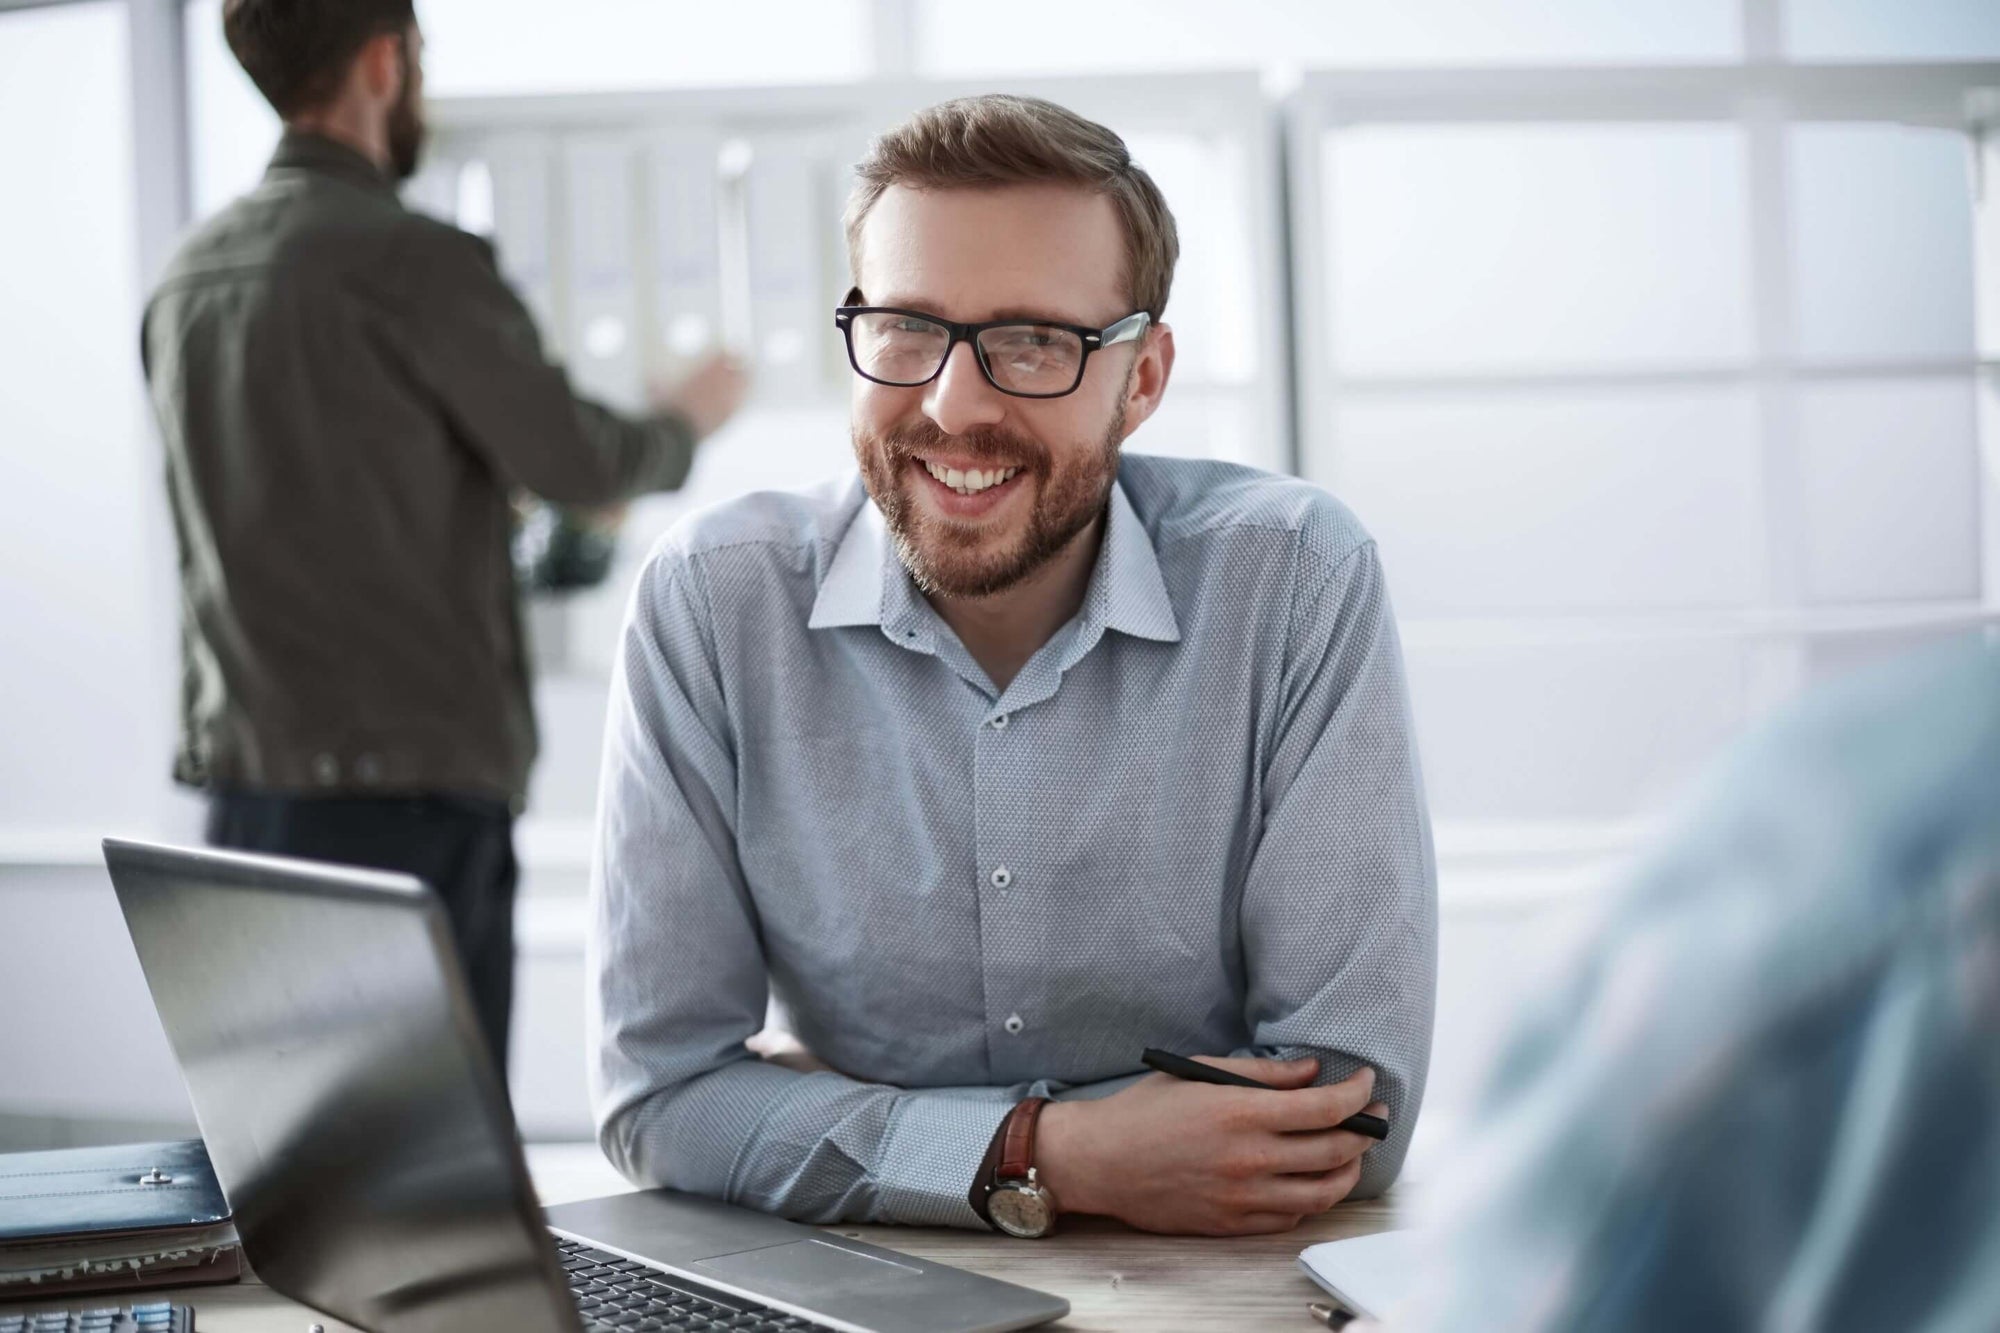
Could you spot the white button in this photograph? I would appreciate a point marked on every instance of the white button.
(1001, 877)
(1013, 1023)
(327, 769)
(999, 722)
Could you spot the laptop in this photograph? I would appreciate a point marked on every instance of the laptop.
(364, 1142)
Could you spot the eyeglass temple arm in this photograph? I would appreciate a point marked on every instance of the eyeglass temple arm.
(1125, 330)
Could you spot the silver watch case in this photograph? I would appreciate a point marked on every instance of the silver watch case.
(1022, 1208)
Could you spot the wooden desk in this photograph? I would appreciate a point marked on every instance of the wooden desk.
(1114, 1278)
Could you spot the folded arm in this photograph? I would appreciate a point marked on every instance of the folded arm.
(677, 980)
(1339, 912)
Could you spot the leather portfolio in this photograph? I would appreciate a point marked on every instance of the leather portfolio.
(112, 1219)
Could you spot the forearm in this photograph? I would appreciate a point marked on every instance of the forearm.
(815, 1147)
(618, 457)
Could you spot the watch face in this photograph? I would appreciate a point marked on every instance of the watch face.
(1021, 1210)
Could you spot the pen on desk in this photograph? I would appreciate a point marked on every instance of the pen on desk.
(1374, 1126)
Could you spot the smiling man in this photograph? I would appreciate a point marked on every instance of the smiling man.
(1010, 758)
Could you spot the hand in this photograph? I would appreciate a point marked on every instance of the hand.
(706, 396)
(604, 520)
(1197, 1159)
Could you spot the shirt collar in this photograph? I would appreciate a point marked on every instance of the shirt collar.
(301, 150)
(867, 584)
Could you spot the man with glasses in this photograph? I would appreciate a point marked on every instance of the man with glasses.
(1009, 758)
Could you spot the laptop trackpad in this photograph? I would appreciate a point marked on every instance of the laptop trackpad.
(806, 1270)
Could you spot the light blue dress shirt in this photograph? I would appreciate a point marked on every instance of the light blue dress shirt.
(1193, 820)
(1767, 1094)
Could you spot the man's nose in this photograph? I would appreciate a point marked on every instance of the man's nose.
(960, 397)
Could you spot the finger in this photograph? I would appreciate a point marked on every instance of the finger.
(1305, 1195)
(1319, 1108)
(1278, 1073)
(1262, 1224)
(1314, 1152)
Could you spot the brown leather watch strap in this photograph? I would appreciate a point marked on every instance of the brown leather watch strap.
(1017, 1140)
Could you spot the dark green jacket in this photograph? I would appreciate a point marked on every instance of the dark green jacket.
(349, 396)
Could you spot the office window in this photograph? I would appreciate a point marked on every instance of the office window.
(231, 129)
(1498, 248)
(86, 736)
(1658, 416)
(957, 39)
(1891, 490)
(1563, 734)
(1882, 226)
(517, 47)
(1531, 501)
(1891, 29)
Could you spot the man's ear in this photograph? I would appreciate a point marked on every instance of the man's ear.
(380, 66)
(1151, 370)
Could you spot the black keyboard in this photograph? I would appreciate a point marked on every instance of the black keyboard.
(147, 1317)
(621, 1295)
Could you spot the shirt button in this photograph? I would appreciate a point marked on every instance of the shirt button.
(1013, 1023)
(327, 769)
(1001, 877)
(999, 722)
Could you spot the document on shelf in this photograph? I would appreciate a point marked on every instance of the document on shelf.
(1369, 1275)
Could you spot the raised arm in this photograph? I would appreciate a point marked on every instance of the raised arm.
(469, 340)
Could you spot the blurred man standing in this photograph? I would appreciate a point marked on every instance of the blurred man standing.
(350, 396)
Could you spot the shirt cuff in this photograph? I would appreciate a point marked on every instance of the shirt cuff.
(934, 1145)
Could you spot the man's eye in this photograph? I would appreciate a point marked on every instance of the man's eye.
(915, 326)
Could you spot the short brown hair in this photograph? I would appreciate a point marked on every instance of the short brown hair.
(1001, 139)
(297, 51)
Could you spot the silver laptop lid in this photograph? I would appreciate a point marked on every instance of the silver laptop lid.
(354, 1117)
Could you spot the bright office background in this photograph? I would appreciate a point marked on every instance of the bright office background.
(1648, 337)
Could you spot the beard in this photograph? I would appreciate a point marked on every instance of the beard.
(952, 559)
(406, 123)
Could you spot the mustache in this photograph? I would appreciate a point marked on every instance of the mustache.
(923, 439)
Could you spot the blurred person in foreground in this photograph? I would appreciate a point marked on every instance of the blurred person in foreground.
(1009, 755)
(1768, 1094)
(350, 398)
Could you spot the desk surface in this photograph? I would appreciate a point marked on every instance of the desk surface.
(1114, 1278)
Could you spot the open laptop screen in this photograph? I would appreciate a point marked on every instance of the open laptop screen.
(355, 1121)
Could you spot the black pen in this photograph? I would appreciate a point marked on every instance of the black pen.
(1194, 1071)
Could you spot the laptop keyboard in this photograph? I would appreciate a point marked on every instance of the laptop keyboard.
(621, 1295)
(145, 1317)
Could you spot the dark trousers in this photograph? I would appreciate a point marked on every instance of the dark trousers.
(462, 847)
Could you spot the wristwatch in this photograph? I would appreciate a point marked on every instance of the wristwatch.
(1017, 1202)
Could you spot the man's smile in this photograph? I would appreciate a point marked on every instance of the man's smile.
(965, 492)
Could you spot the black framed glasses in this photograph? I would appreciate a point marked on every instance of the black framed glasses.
(1025, 358)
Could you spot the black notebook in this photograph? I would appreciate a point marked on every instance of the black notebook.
(108, 1219)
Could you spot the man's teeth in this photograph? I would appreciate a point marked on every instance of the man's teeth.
(969, 482)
